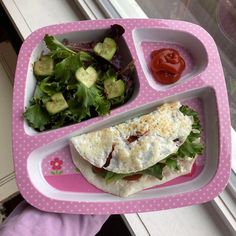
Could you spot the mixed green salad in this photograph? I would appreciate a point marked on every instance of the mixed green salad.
(79, 80)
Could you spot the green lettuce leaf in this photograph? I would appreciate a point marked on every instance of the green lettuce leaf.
(86, 57)
(58, 50)
(191, 147)
(92, 97)
(48, 88)
(111, 176)
(190, 112)
(76, 112)
(65, 70)
(37, 116)
(38, 93)
(172, 163)
(155, 170)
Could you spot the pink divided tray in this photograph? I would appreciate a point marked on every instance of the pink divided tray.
(202, 86)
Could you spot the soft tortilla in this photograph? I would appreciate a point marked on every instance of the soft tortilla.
(124, 188)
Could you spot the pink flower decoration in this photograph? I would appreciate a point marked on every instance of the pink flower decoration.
(56, 164)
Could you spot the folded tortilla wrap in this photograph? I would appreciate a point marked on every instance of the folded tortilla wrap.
(140, 146)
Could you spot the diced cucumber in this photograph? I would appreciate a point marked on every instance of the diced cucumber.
(44, 66)
(56, 103)
(114, 88)
(107, 49)
(87, 76)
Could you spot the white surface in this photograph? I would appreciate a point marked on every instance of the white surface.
(5, 123)
(90, 9)
(24, 25)
(99, 9)
(135, 225)
(7, 177)
(233, 136)
(226, 207)
(195, 220)
(8, 58)
(29, 15)
(17, 18)
(128, 9)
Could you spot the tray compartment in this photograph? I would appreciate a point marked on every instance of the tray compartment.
(190, 48)
(77, 36)
(61, 186)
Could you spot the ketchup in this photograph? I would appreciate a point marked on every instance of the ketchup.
(166, 65)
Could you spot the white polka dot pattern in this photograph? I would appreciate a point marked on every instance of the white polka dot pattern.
(23, 144)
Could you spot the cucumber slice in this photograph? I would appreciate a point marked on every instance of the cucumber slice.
(44, 66)
(114, 88)
(88, 77)
(56, 104)
(107, 49)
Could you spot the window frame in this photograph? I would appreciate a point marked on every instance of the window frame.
(97, 9)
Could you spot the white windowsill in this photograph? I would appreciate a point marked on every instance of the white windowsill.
(24, 18)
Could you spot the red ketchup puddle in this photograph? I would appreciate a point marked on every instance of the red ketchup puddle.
(166, 65)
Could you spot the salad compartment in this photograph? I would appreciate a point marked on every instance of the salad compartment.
(74, 39)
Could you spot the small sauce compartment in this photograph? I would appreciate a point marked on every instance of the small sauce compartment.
(83, 36)
(189, 47)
